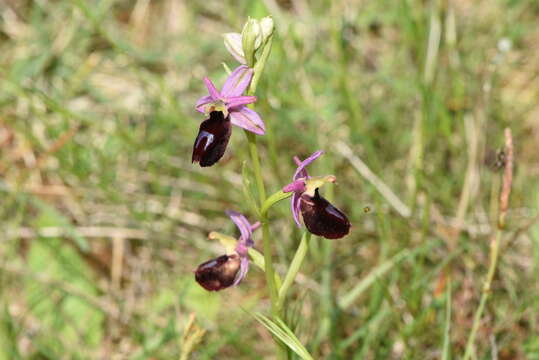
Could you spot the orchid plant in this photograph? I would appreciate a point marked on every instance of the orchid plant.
(232, 105)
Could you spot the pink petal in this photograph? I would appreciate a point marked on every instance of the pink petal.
(294, 204)
(237, 82)
(303, 173)
(295, 186)
(300, 171)
(237, 101)
(249, 120)
(202, 102)
(243, 224)
(242, 249)
(214, 93)
(255, 226)
(244, 268)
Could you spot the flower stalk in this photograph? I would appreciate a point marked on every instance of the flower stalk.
(259, 66)
(495, 243)
(260, 186)
(272, 200)
(266, 244)
(295, 265)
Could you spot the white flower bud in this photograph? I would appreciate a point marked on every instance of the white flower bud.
(233, 43)
(243, 46)
(251, 40)
(266, 26)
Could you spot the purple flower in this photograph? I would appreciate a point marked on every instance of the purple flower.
(320, 217)
(225, 108)
(229, 269)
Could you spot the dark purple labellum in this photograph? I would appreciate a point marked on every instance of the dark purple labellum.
(323, 219)
(212, 139)
(218, 273)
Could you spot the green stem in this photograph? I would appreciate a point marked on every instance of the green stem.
(272, 200)
(293, 270)
(494, 251)
(259, 66)
(253, 150)
(268, 261)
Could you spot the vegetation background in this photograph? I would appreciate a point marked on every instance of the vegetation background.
(103, 217)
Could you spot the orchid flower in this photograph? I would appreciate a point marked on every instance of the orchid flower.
(225, 108)
(229, 269)
(320, 217)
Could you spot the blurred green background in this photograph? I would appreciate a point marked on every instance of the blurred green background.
(103, 217)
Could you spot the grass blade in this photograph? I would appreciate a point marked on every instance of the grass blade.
(282, 332)
(348, 299)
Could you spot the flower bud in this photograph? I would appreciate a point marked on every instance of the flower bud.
(266, 28)
(251, 40)
(218, 273)
(243, 46)
(233, 43)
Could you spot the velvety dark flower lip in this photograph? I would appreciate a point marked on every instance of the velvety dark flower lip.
(323, 219)
(320, 217)
(229, 269)
(212, 139)
(218, 273)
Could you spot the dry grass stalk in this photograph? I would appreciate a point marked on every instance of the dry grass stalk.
(495, 242)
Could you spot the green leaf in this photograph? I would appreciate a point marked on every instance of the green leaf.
(282, 332)
(348, 299)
